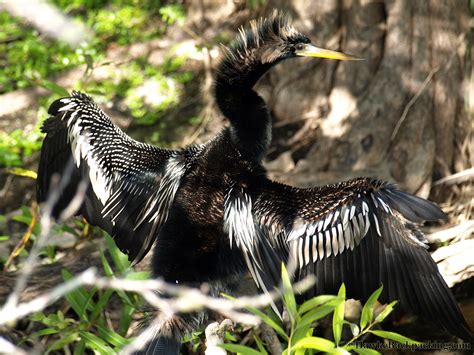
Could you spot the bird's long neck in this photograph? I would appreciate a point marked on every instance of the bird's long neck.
(246, 110)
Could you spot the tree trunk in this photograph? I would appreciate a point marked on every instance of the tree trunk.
(399, 114)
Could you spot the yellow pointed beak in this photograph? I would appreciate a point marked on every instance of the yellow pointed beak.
(312, 51)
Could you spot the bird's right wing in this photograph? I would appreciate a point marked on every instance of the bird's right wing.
(131, 185)
(360, 232)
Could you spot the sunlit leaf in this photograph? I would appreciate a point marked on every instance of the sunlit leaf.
(138, 275)
(95, 343)
(288, 294)
(367, 314)
(354, 328)
(300, 332)
(112, 337)
(66, 338)
(119, 259)
(239, 349)
(395, 337)
(317, 313)
(22, 172)
(46, 331)
(316, 343)
(338, 317)
(385, 312)
(314, 302)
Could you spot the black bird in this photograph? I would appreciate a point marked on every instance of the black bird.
(212, 213)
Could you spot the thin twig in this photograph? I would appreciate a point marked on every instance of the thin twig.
(432, 72)
(413, 100)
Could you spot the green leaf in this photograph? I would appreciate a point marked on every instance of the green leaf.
(120, 259)
(386, 311)
(363, 351)
(54, 88)
(46, 331)
(395, 337)
(260, 345)
(338, 317)
(340, 351)
(314, 302)
(317, 314)
(22, 172)
(300, 332)
(99, 306)
(78, 298)
(95, 343)
(230, 337)
(239, 349)
(105, 264)
(80, 348)
(354, 328)
(37, 317)
(316, 343)
(367, 314)
(138, 275)
(266, 318)
(288, 294)
(111, 337)
(22, 219)
(269, 321)
(66, 338)
(4, 238)
(125, 318)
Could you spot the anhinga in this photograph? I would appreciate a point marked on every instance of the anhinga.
(212, 213)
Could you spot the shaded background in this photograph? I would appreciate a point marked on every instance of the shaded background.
(404, 114)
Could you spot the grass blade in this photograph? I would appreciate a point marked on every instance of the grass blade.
(95, 343)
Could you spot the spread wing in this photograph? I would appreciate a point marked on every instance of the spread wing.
(130, 184)
(361, 232)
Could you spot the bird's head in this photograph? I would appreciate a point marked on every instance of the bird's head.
(272, 39)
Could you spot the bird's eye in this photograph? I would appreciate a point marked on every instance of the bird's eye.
(299, 46)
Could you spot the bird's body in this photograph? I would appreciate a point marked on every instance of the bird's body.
(212, 213)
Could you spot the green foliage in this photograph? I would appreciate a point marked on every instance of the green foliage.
(30, 59)
(87, 326)
(298, 338)
(17, 146)
(172, 14)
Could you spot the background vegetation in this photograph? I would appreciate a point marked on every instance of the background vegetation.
(149, 64)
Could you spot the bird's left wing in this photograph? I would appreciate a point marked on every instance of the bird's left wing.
(130, 184)
(361, 232)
